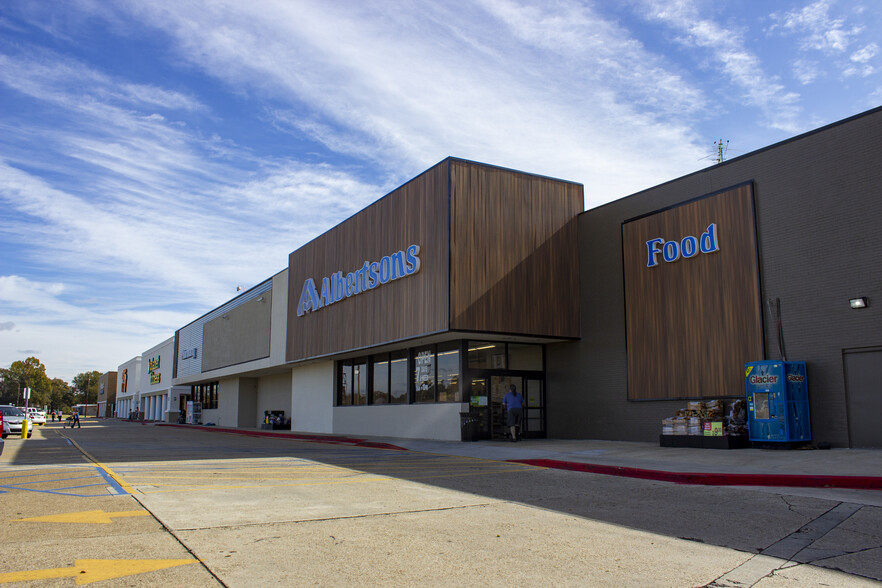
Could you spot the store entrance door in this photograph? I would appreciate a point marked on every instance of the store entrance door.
(533, 425)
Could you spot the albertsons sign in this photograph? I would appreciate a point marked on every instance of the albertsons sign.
(372, 274)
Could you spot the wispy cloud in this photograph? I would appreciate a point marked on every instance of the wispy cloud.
(834, 37)
(408, 84)
(728, 50)
(819, 31)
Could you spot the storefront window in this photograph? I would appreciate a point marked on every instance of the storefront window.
(359, 382)
(206, 394)
(449, 373)
(380, 393)
(525, 357)
(424, 374)
(486, 355)
(398, 377)
(345, 391)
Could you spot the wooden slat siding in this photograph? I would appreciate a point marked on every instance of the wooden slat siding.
(416, 213)
(514, 252)
(693, 323)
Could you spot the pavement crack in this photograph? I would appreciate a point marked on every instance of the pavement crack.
(789, 547)
(339, 518)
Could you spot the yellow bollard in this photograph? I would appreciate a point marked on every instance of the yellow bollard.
(25, 425)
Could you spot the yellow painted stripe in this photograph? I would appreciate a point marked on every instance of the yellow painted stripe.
(85, 517)
(87, 571)
(123, 484)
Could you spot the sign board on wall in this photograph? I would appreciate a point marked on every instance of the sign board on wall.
(692, 297)
(371, 275)
(155, 376)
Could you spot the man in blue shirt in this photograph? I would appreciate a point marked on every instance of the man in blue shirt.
(514, 408)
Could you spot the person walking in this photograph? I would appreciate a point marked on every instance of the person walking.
(514, 410)
(76, 420)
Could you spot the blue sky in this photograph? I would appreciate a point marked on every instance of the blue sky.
(156, 154)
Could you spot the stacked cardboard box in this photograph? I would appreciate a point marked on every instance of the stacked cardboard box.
(692, 419)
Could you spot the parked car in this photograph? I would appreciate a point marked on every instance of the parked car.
(14, 416)
(36, 416)
(5, 428)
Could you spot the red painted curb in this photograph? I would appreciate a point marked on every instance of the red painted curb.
(711, 479)
(333, 440)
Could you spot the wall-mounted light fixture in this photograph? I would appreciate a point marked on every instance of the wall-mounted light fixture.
(861, 302)
(261, 299)
(226, 316)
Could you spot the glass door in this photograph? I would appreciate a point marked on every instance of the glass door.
(499, 386)
(479, 405)
(534, 415)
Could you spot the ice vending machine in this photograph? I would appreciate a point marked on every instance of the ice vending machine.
(777, 401)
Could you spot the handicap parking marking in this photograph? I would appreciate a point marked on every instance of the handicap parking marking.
(62, 481)
(117, 483)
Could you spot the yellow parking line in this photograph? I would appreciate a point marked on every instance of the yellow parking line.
(123, 484)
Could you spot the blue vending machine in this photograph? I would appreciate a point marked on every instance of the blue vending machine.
(777, 402)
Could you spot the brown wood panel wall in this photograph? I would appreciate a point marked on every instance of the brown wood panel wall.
(693, 323)
(415, 213)
(514, 252)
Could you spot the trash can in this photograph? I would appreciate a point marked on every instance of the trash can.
(469, 423)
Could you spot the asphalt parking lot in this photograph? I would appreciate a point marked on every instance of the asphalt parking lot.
(122, 502)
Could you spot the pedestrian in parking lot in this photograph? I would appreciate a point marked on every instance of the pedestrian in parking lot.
(514, 408)
(76, 420)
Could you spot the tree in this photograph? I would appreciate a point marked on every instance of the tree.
(30, 373)
(85, 387)
(10, 387)
(61, 395)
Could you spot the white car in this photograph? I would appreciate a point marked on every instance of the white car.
(14, 416)
(35, 415)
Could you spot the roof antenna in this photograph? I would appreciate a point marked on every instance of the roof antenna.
(722, 150)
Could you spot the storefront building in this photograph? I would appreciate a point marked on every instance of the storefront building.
(128, 391)
(107, 395)
(156, 375)
(435, 299)
(790, 269)
(230, 363)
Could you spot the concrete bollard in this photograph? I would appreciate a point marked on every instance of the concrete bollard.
(25, 426)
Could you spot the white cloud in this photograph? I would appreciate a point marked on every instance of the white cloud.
(861, 61)
(821, 31)
(728, 49)
(865, 54)
(406, 85)
(806, 71)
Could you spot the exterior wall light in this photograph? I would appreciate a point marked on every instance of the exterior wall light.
(858, 302)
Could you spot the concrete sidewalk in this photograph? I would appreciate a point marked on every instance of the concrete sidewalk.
(856, 469)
